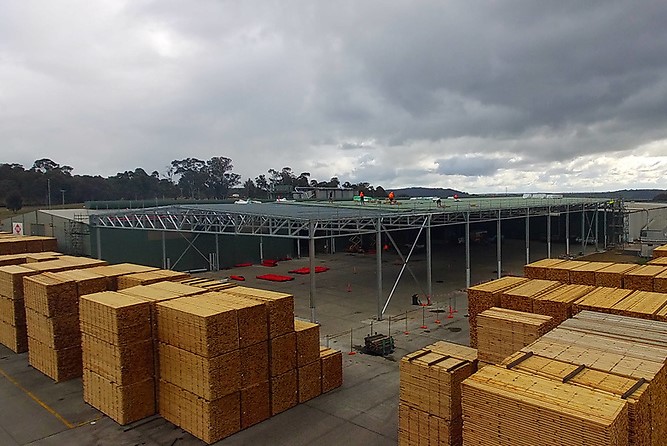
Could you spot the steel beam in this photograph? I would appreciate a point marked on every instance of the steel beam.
(378, 266)
(311, 263)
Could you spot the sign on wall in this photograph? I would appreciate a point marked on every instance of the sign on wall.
(17, 228)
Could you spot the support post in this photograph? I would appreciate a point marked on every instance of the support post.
(164, 251)
(604, 225)
(467, 241)
(595, 218)
(429, 263)
(217, 252)
(567, 230)
(549, 233)
(499, 254)
(583, 230)
(99, 242)
(527, 236)
(378, 265)
(298, 248)
(311, 263)
(261, 249)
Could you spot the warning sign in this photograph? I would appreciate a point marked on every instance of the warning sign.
(17, 228)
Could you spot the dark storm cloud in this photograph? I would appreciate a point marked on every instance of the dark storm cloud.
(482, 93)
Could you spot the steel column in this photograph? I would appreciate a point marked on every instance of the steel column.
(583, 230)
(217, 252)
(378, 265)
(311, 263)
(527, 236)
(261, 248)
(164, 251)
(429, 263)
(499, 255)
(595, 218)
(567, 230)
(549, 233)
(604, 225)
(99, 242)
(467, 241)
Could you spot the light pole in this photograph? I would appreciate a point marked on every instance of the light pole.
(62, 191)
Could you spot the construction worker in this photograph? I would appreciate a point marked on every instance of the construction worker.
(361, 197)
(392, 197)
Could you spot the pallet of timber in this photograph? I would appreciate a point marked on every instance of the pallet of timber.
(635, 392)
(332, 368)
(520, 298)
(502, 332)
(487, 295)
(585, 274)
(538, 269)
(660, 281)
(612, 276)
(64, 263)
(59, 365)
(431, 381)
(208, 378)
(641, 304)
(56, 333)
(561, 271)
(455, 350)
(309, 378)
(658, 261)
(558, 303)
(178, 288)
(208, 284)
(14, 337)
(284, 392)
(187, 324)
(115, 318)
(51, 294)
(601, 299)
(12, 311)
(121, 364)
(642, 278)
(660, 251)
(252, 315)
(280, 308)
(210, 421)
(146, 278)
(307, 342)
(255, 404)
(113, 272)
(87, 282)
(12, 259)
(124, 404)
(33, 257)
(502, 407)
(11, 280)
(282, 354)
(417, 428)
(254, 364)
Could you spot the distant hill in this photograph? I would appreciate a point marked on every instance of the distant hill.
(626, 194)
(427, 192)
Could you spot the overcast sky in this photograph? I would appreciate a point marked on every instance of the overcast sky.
(480, 96)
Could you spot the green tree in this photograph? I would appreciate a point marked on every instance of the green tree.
(14, 201)
(220, 177)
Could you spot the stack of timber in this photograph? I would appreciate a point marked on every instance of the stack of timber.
(642, 278)
(640, 304)
(660, 251)
(662, 260)
(309, 366)
(660, 281)
(636, 393)
(612, 276)
(148, 277)
(585, 274)
(208, 284)
(601, 299)
(503, 406)
(520, 298)
(118, 364)
(618, 345)
(561, 271)
(331, 363)
(10, 244)
(429, 409)
(558, 304)
(113, 272)
(52, 314)
(538, 269)
(13, 330)
(502, 332)
(17, 259)
(487, 295)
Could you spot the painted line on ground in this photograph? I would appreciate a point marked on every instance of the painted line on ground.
(37, 400)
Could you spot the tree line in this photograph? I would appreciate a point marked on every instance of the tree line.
(48, 182)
